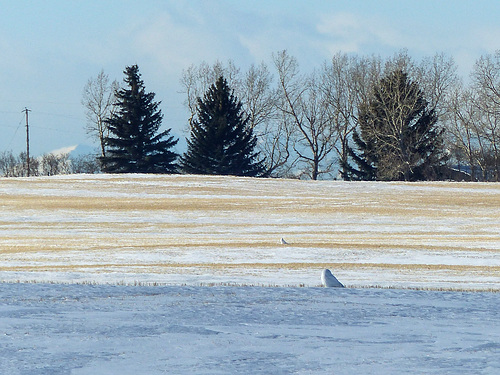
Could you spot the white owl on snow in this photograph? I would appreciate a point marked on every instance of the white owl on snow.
(330, 281)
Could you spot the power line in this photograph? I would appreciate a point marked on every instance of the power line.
(60, 130)
(61, 115)
(9, 112)
(15, 133)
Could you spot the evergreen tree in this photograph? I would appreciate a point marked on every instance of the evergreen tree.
(134, 144)
(397, 136)
(221, 141)
(366, 161)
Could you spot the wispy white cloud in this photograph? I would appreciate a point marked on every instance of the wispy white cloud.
(172, 41)
(384, 34)
(352, 32)
(486, 37)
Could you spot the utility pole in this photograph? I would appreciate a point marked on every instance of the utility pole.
(26, 110)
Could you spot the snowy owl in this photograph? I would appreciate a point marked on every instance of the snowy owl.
(283, 242)
(328, 280)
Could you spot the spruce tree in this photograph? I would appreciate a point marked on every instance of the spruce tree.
(365, 161)
(221, 141)
(135, 144)
(397, 136)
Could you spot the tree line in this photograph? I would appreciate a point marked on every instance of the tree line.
(368, 118)
(12, 165)
(354, 117)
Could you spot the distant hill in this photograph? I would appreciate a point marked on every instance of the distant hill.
(75, 151)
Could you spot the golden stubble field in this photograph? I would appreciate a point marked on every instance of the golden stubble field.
(201, 230)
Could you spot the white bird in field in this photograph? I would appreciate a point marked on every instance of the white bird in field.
(330, 281)
(283, 242)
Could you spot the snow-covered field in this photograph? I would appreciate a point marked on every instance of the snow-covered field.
(202, 230)
(182, 234)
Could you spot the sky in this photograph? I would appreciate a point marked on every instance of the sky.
(49, 49)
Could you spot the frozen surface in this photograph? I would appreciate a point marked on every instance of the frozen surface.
(86, 329)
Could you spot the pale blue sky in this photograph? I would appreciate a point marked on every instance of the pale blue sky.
(49, 49)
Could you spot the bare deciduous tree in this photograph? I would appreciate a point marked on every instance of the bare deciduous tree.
(98, 98)
(85, 164)
(306, 105)
(438, 78)
(259, 99)
(51, 165)
(46, 165)
(15, 166)
(486, 84)
(8, 164)
(347, 81)
(33, 165)
(464, 137)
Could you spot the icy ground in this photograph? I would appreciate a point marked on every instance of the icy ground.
(85, 329)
